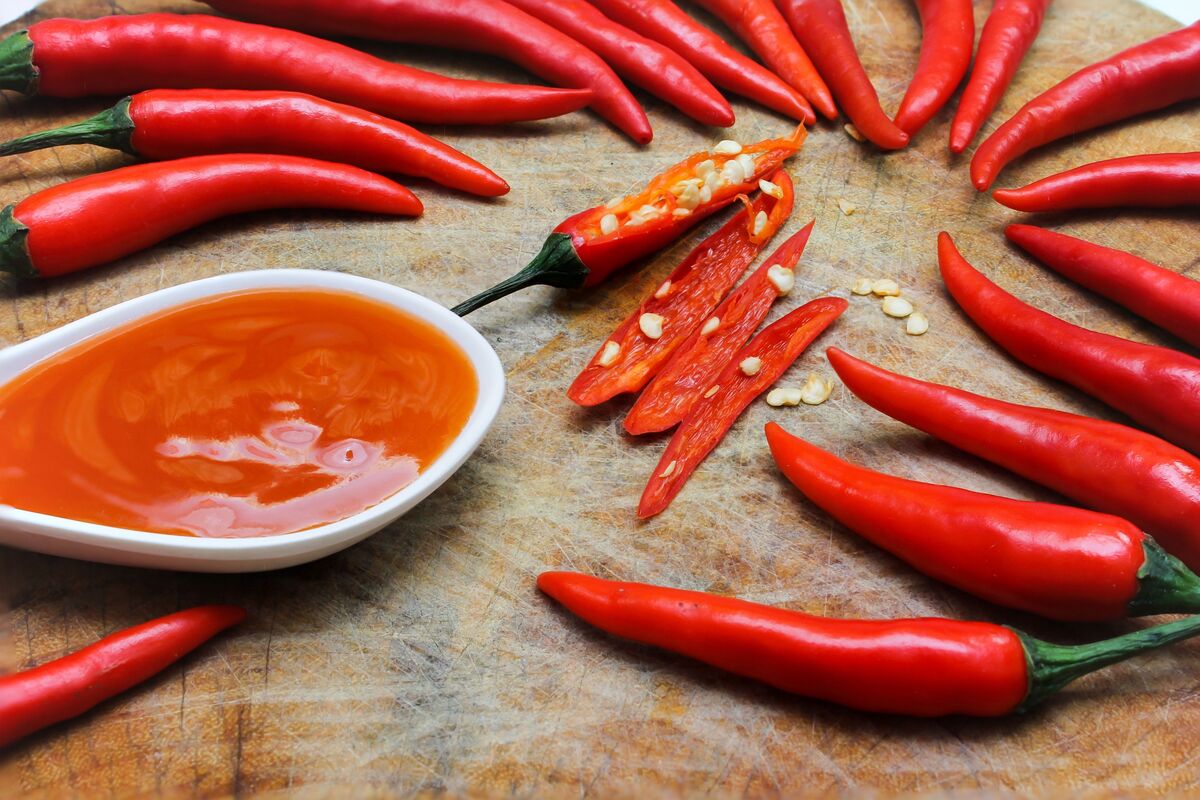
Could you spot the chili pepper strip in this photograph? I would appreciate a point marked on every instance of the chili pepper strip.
(1010, 30)
(759, 24)
(1146, 77)
(1058, 561)
(586, 248)
(74, 684)
(486, 26)
(100, 218)
(693, 368)
(162, 124)
(820, 27)
(1156, 386)
(1160, 295)
(127, 53)
(1105, 466)
(772, 351)
(666, 23)
(946, 45)
(917, 667)
(1153, 181)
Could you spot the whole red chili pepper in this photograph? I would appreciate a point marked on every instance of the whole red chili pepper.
(748, 374)
(820, 26)
(74, 684)
(656, 68)
(486, 26)
(1146, 77)
(1160, 295)
(99, 218)
(946, 45)
(919, 667)
(1156, 386)
(666, 23)
(1155, 181)
(693, 368)
(162, 124)
(1100, 464)
(123, 54)
(1010, 30)
(588, 247)
(1058, 561)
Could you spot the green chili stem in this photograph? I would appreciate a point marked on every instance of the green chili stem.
(17, 71)
(1165, 585)
(112, 128)
(14, 250)
(556, 265)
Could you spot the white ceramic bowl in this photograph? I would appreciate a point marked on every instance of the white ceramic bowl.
(65, 537)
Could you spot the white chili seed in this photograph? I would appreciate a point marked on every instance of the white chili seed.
(663, 290)
(746, 162)
(651, 325)
(711, 325)
(816, 390)
(770, 189)
(862, 286)
(897, 307)
(885, 287)
(705, 167)
(854, 133)
(760, 223)
(609, 223)
(608, 356)
(669, 471)
(727, 147)
(916, 324)
(750, 366)
(712, 390)
(783, 278)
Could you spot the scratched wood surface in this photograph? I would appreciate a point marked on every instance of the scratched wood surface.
(423, 661)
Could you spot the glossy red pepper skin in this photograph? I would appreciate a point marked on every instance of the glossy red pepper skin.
(1156, 386)
(820, 26)
(1146, 77)
(946, 45)
(124, 54)
(1160, 295)
(1010, 30)
(100, 218)
(1105, 466)
(1156, 181)
(74, 684)
(486, 26)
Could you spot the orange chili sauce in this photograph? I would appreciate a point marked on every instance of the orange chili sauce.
(248, 414)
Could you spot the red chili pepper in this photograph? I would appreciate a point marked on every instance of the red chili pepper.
(759, 24)
(123, 54)
(588, 247)
(74, 684)
(485, 26)
(1146, 77)
(772, 351)
(630, 357)
(919, 667)
(1058, 561)
(1156, 386)
(820, 26)
(657, 69)
(1160, 295)
(162, 124)
(1011, 28)
(666, 23)
(946, 45)
(1154, 181)
(1100, 464)
(693, 368)
(99, 218)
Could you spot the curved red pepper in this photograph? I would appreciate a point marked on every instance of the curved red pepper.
(946, 45)
(1154, 181)
(1146, 77)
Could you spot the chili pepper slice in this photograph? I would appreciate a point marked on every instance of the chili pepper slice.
(1146, 77)
(1058, 561)
(1010, 30)
(666, 23)
(486, 26)
(946, 45)
(588, 247)
(1102, 465)
(1156, 386)
(127, 53)
(820, 27)
(100, 218)
(162, 124)
(747, 375)
(918, 667)
(74, 684)
(1153, 181)
(1160, 295)
(693, 368)
(633, 354)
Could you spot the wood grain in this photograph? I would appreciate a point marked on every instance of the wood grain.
(423, 662)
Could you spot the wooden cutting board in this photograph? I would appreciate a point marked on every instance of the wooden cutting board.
(423, 661)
